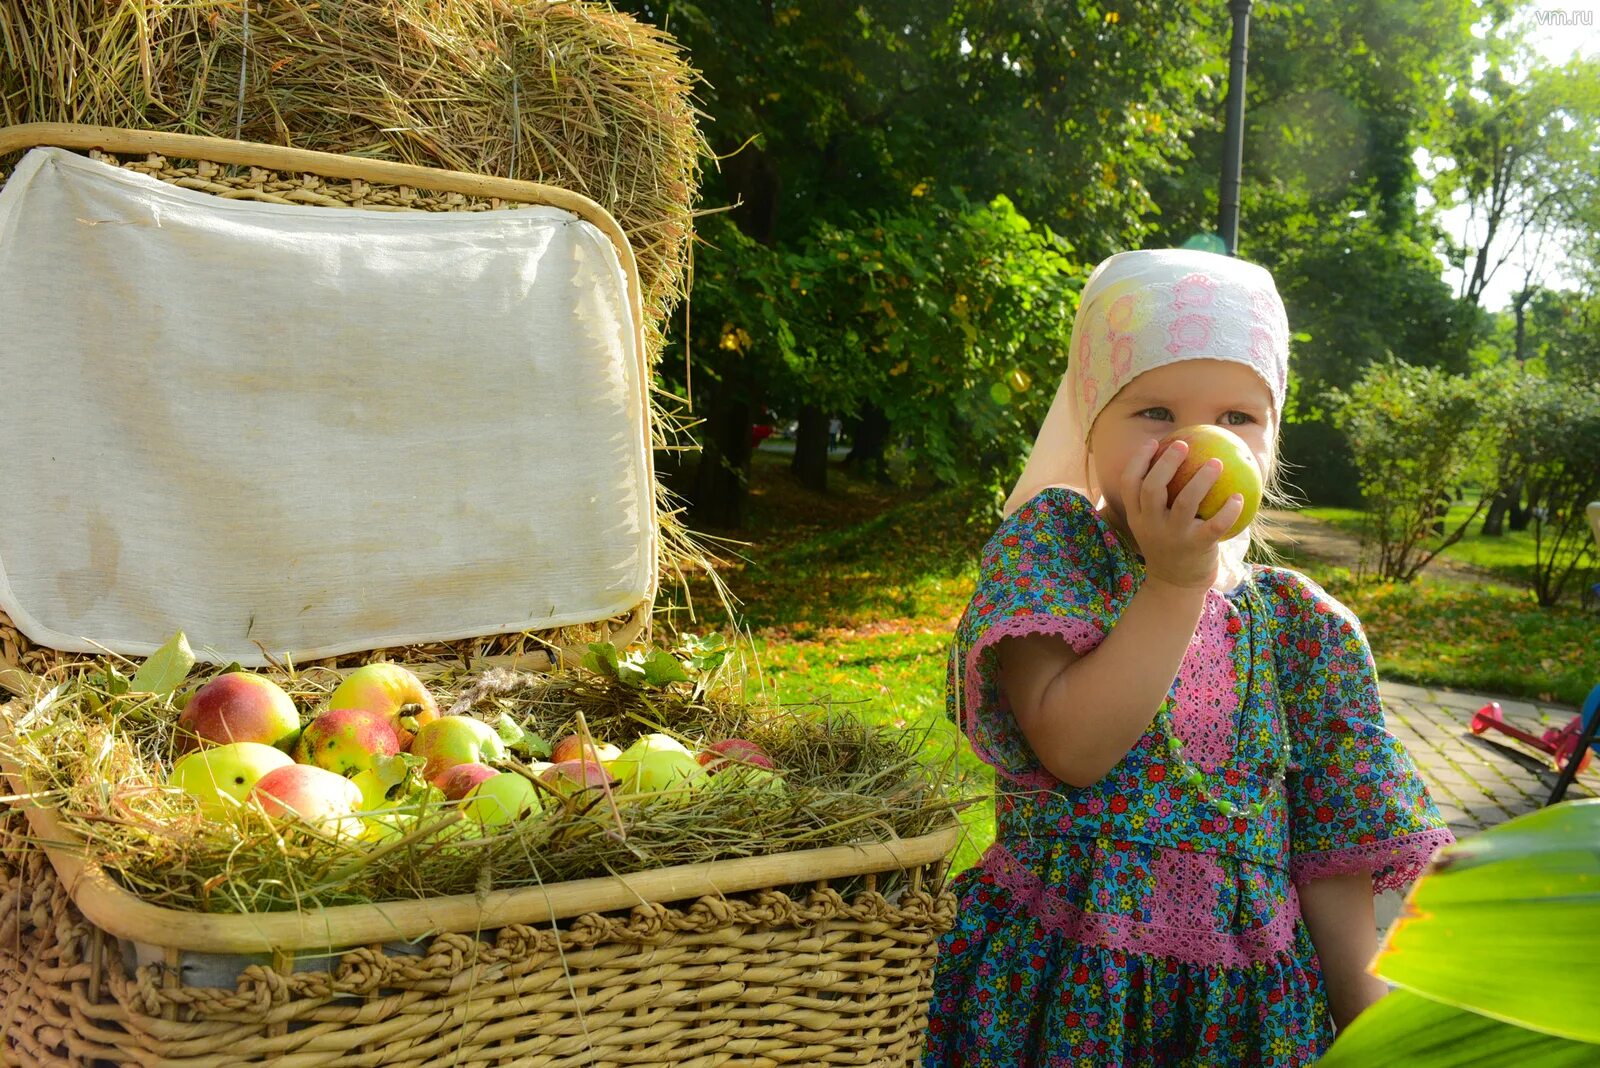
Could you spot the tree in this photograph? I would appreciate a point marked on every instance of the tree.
(825, 112)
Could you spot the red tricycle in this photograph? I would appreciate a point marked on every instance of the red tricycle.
(1559, 742)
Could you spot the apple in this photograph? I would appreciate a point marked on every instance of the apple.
(391, 690)
(735, 776)
(238, 707)
(347, 740)
(731, 752)
(221, 777)
(656, 762)
(312, 794)
(501, 798)
(1240, 472)
(457, 782)
(570, 776)
(450, 740)
(572, 748)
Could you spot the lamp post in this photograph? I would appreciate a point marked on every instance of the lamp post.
(1233, 143)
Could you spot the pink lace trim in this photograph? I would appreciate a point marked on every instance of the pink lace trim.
(1394, 862)
(1207, 699)
(1191, 945)
(1080, 634)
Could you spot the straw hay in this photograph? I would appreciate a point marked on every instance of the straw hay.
(101, 761)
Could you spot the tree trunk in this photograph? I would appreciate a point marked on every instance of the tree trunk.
(870, 441)
(1522, 514)
(810, 463)
(723, 474)
(1494, 521)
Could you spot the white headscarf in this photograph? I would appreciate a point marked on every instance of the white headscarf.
(1142, 310)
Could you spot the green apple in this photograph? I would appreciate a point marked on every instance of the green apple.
(239, 706)
(451, 740)
(501, 798)
(1240, 472)
(311, 794)
(221, 777)
(656, 762)
(347, 740)
(390, 690)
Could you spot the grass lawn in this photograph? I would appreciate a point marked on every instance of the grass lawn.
(850, 597)
(1510, 556)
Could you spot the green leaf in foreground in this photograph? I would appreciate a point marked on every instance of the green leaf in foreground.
(1409, 1029)
(1507, 925)
(166, 668)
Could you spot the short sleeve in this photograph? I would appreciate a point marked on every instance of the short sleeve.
(1048, 569)
(1356, 799)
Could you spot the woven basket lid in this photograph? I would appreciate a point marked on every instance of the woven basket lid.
(312, 431)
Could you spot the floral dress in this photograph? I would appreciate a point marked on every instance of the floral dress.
(1131, 922)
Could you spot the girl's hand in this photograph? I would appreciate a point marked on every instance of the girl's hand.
(1179, 548)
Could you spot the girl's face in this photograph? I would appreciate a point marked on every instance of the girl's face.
(1171, 396)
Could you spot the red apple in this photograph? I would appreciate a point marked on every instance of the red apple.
(570, 776)
(458, 781)
(347, 740)
(238, 707)
(391, 690)
(1240, 472)
(311, 794)
(502, 798)
(572, 748)
(731, 751)
(451, 740)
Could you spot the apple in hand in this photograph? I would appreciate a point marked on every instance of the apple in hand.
(347, 740)
(501, 798)
(312, 794)
(451, 740)
(1240, 472)
(572, 748)
(238, 707)
(391, 690)
(732, 752)
(656, 762)
(221, 777)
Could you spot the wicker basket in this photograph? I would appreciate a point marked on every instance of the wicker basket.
(817, 957)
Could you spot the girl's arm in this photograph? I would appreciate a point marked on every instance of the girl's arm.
(1081, 714)
(1339, 915)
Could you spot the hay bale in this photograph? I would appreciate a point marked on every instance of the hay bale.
(571, 94)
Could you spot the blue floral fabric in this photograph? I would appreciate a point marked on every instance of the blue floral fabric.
(1133, 921)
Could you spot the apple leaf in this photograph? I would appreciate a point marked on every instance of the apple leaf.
(602, 659)
(661, 668)
(166, 668)
(519, 739)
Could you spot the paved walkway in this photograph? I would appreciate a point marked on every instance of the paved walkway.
(1476, 780)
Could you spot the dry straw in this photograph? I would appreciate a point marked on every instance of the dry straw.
(568, 94)
(100, 761)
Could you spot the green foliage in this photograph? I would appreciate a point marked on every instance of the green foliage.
(1557, 455)
(951, 318)
(1416, 433)
(1496, 953)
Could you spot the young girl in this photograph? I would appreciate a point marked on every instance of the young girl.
(1196, 797)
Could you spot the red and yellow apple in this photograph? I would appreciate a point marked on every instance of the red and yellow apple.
(457, 782)
(450, 740)
(312, 794)
(656, 762)
(570, 776)
(502, 798)
(221, 777)
(238, 707)
(731, 752)
(391, 690)
(347, 740)
(572, 748)
(1240, 472)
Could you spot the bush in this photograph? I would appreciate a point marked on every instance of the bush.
(1558, 455)
(1417, 433)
